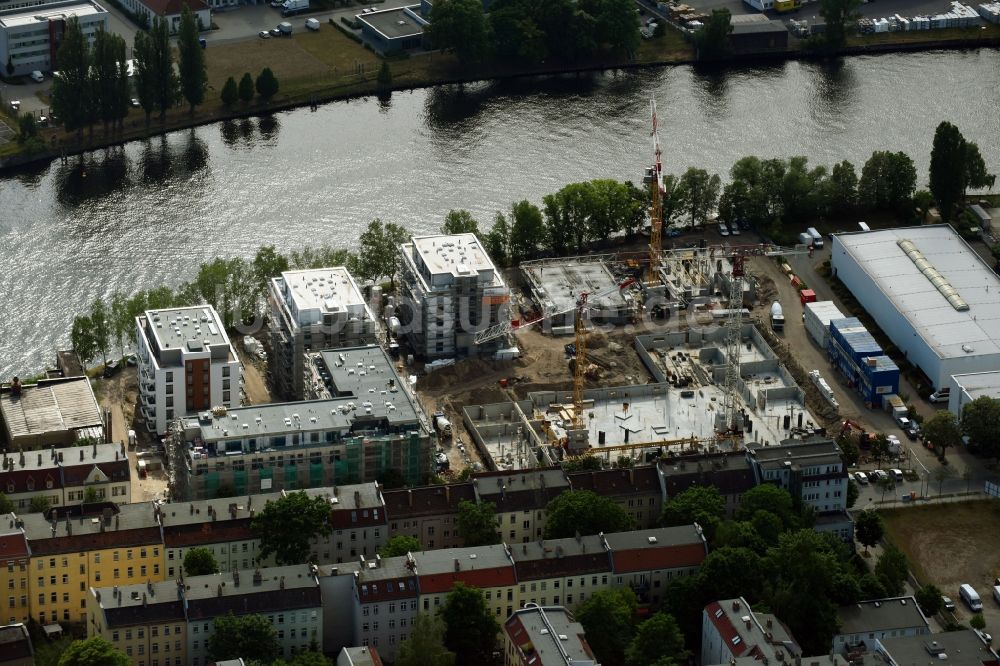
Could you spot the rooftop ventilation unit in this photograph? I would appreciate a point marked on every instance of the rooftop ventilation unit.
(927, 269)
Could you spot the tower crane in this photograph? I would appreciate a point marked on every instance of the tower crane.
(654, 177)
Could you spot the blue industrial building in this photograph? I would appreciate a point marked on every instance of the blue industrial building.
(861, 360)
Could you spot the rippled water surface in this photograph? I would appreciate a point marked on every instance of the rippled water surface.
(150, 212)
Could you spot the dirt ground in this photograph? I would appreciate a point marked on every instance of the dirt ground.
(255, 391)
(950, 544)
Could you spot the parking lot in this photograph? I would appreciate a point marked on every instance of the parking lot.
(246, 22)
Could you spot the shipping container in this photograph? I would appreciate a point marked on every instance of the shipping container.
(818, 316)
(807, 296)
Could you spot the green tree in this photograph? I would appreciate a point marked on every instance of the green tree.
(267, 263)
(477, 523)
(384, 77)
(95, 651)
(322, 257)
(379, 250)
(165, 84)
(516, 36)
(470, 628)
(608, 617)
(286, 525)
(768, 497)
(145, 72)
(26, 127)
(942, 431)
(839, 16)
(230, 92)
(844, 187)
(929, 598)
(101, 327)
(191, 60)
(6, 506)
(246, 88)
(698, 504)
(120, 324)
(498, 241)
(583, 512)
(892, 570)
(981, 423)
(425, 644)
(309, 658)
(459, 222)
(888, 181)
(880, 447)
(460, 26)
(200, 562)
(401, 544)
(240, 636)
(658, 641)
(72, 93)
(39, 504)
(713, 39)
(947, 170)
(582, 463)
(853, 492)
(82, 338)
(90, 495)
(527, 230)
(977, 621)
(267, 84)
(109, 77)
(699, 191)
(849, 449)
(616, 26)
(868, 528)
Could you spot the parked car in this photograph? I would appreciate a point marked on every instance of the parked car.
(947, 603)
(135, 102)
(897, 474)
(37, 76)
(913, 432)
(275, 32)
(861, 478)
(111, 369)
(723, 229)
(940, 395)
(264, 34)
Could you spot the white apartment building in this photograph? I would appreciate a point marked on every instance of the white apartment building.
(30, 35)
(186, 364)
(451, 290)
(313, 310)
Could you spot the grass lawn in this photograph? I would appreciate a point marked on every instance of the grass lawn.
(949, 544)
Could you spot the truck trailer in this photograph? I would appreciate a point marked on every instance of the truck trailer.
(290, 7)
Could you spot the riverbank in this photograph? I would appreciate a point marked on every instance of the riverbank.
(319, 67)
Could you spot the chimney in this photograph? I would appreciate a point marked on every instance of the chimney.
(378, 560)
(236, 578)
(81, 455)
(747, 622)
(95, 450)
(117, 521)
(220, 589)
(409, 493)
(52, 452)
(15, 387)
(39, 459)
(192, 509)
(769, 623)
(143, 599)
(458, 566)
(257, 578)
(447, 493)
(60, 456)
(281, 583)
(21, 458)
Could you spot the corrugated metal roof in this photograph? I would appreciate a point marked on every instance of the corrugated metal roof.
(51, 407)
(950, 332)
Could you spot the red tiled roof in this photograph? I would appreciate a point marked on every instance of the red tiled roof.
(717, 616)
(667, 557)
(13, 546)
(15, 481)
(481, 578)
(171, 7)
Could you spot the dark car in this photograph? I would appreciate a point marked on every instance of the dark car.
(111, 369)
(913, 432)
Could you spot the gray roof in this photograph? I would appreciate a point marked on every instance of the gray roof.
(978, 384)
(669, 536)
(71, 457)
(798, 453)
(880, 615)
(310, 294)
(479, 557)
(129, 517)
(554, 634)
(272, 579)
(963, 648)
(198, 325)
(455, 254)
(387, 22)
(744, 28)
(64, 404)
(490, 485)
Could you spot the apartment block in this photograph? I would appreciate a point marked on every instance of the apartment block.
(66, 476)
(450, 290)
(170, 623)
(731, 473)
(814, 472)
(70, 555)
(637, 490)
(14, 556)
(520, 499)
(186, 365)
(369, 426)
(545, 636)
(428, 513)
(30, 35)
(312, 310)
(864, 623)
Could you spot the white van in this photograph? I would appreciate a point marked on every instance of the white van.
(996, 593)
(312, 24)
(816, 236)
(970, 597)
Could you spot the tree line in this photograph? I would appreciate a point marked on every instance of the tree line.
(93, 83)
(532, 32)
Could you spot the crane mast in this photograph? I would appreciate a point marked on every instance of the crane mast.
(654, 177)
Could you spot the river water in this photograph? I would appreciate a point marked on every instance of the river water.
(150, 212)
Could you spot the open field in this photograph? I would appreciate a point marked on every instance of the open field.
(950, 544)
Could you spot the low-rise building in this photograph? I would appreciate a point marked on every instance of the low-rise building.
(312, 310)
(863, 623)
(545, 636)
(955, 648)
(15, 646)
(390, 31)
(170, 11)
(72, 555)
(30, 36)
(171, 622)
(369, 426)
(14, 556)
(963, 389)
(186, 364)
(53, 412)
(67, 476)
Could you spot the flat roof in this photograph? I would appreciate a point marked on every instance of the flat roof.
(963, 648)
(880, 615)
(75, 456)
(943, 328)
(978, 384)
(44, 13)
(393, 23)
(459, 255)
(192, 329)
(799, 453)
(558, 285)
(309, 294)
(51, 407)
(431, 562)
(549, 636)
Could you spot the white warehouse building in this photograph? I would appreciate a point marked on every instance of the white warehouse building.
(930, 292)
(966, 388)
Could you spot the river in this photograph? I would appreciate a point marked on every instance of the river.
(150, 212)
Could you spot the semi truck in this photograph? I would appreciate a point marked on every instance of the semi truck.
(289, 7)
(777, 317)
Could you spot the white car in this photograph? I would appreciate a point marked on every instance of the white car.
(37, 76)
(861, 478)
(897, 474)
(723, 229)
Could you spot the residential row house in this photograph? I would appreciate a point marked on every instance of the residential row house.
(545, 636)
(14, 556)
(65, 477)
(171, 623)
(381, 596)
